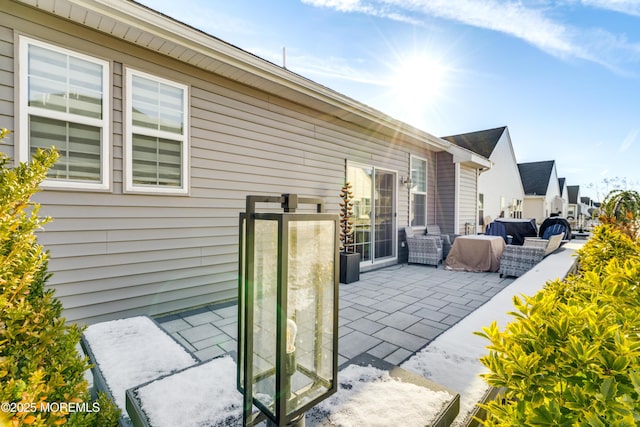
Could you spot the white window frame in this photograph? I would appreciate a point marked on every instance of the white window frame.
(129, 130)
(415, 185)
(25, 111)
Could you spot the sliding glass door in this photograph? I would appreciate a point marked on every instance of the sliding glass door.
(374, 197)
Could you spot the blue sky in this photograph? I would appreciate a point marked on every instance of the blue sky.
(564, 75)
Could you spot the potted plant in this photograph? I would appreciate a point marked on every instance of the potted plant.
(349, 258)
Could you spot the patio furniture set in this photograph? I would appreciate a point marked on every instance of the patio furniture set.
(509, 246)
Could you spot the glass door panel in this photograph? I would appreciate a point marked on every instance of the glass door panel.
(374, 203)
(385, 235)
(361, 179)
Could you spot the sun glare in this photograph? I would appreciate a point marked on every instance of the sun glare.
(417, 86)
(419, 78)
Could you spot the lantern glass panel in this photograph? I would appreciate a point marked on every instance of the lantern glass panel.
(310, 309)
(265, 280)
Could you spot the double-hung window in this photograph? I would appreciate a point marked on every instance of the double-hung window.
(64, 102)
(156, 142)
(418, 192)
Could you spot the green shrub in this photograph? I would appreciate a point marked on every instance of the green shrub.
(39, 363)
(572, 355)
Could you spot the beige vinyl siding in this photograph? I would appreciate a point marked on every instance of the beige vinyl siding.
(445, 200)
(6, 87)
(116, 255)
(467, 198)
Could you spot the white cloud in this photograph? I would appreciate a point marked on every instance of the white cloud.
(628, 7)
(510, 18)
(374, 8)
(524, 21)
(629, 140)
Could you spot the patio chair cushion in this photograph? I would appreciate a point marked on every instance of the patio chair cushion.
(433, 229)
(551, 222)
(447, 240)
(553, 230)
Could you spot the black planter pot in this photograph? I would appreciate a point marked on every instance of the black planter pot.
(349, 267)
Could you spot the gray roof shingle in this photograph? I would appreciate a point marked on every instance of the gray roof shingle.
(535, 177)
(572, 192)
(481, 142)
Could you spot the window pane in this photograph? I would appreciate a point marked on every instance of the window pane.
(79, 147)
(157, 106)
(156, 161)
(419, 175)
(40, 95)
(418, 210)
(63, 83)
(145, 102)
(171, 108)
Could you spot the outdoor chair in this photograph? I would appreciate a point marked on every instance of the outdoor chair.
(517, 260)
(553, 230)
(447, 239)
(555, 225)
(424, 249)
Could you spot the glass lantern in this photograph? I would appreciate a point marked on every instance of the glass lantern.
(288, 309)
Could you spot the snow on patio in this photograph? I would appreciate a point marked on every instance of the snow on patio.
(131, 352)
(367, 396)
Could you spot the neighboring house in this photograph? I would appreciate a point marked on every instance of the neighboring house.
(587, 206)
(500, 191)
(564, 195)
(542, 190)
(164, 130)
(574, 207)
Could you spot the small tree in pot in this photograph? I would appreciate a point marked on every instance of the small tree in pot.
(346, 223)
(349, 258)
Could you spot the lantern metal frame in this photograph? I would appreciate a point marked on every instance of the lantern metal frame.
(246, 299)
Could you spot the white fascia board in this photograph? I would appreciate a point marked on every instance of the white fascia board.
(468, 157)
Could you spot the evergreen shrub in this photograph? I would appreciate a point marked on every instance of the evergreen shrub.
(41, 372)
(571, 357)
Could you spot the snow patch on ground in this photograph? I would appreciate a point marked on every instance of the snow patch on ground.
(367, 396)
(134, 351)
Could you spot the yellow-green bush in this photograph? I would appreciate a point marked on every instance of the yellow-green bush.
(572, 354)
(607, 243)
(39, 363)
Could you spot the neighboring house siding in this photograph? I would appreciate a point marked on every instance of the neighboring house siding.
(534, 207)
(502, 181)
(115, 254)
(467, 199)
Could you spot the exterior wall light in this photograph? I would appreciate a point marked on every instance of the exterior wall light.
(406, 181)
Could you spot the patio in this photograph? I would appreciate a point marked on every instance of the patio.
(419, 317)
(390, 313)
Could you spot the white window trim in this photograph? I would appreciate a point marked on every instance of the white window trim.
(426, 183)
(22, 152)
(129, 186)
